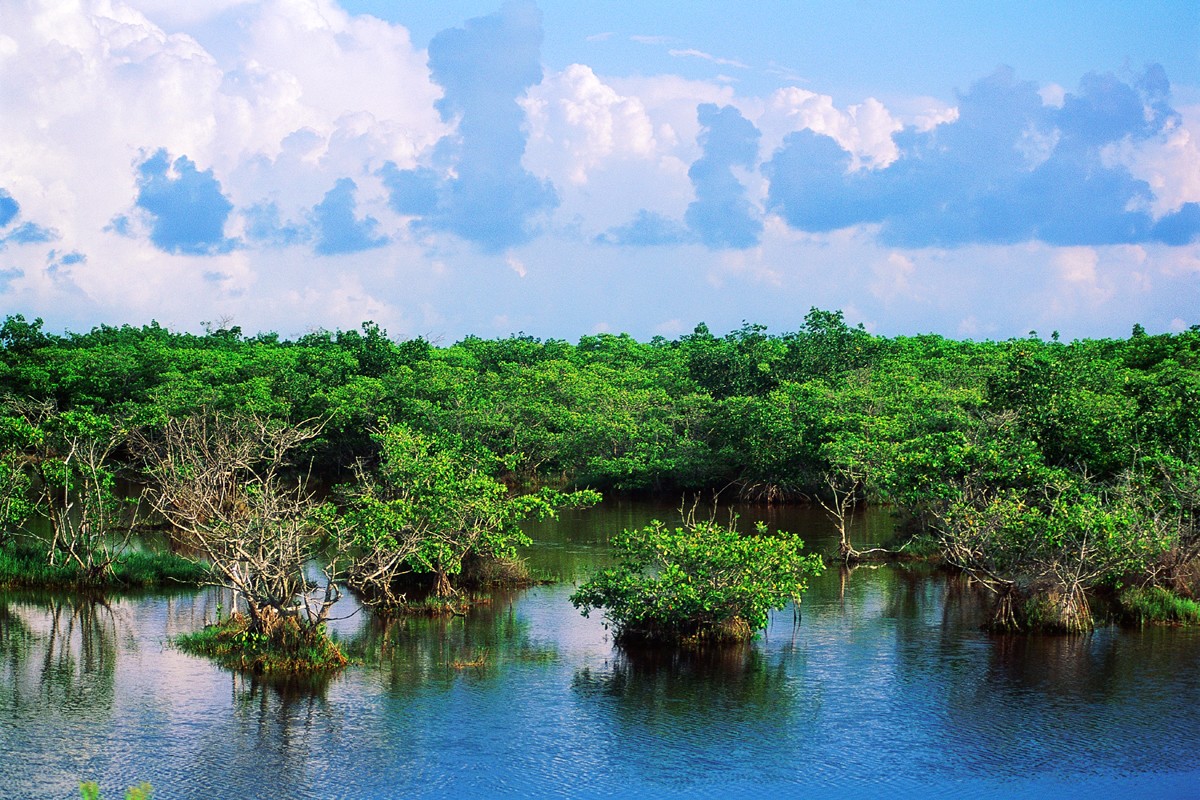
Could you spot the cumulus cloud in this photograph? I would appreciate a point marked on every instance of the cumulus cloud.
(237, 119)
(1169, 162)
(721, 214)
(865, 130)
(487, 196)
(1008, 169)
(131, 128)
(578, 123)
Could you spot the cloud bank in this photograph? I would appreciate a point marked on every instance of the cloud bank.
(298, 165)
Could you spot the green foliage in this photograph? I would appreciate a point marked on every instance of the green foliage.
(698, 582)
(1017, 457)
(428, 505)
(64, 464)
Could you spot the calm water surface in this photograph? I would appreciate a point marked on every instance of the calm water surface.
(886, 687)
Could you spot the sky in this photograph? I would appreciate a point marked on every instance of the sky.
(482, 168)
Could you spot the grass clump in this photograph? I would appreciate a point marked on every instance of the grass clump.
(1154, 604)
(24, 564)
(282, 647)
(482, 572)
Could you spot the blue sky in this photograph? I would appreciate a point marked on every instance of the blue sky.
(976, 170)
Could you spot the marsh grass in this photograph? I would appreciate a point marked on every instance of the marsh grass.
(24, 564)
(1156, 605)
(484, 573)
(285, 650)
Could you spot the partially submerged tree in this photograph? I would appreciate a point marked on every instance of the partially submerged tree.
(426, 507)
(698, 582)
(17, 501)
(71, 457)
(227, 485)
(1041, 550)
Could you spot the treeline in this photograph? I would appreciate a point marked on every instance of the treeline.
(1047, 469)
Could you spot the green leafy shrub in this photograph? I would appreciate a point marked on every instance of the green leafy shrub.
(698, 582)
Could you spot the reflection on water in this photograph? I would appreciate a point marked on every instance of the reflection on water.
(407, 653)
(887, 686)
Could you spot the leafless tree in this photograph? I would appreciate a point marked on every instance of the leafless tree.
(227, 485)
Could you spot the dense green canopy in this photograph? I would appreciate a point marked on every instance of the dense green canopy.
(1034, 464)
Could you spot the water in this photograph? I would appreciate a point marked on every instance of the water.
(887, 687)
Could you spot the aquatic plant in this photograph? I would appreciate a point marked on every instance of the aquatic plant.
(1155, 604)
(23, 563)
(90, 790)
(277, 645)
(698, 582)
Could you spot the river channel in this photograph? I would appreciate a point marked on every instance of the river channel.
(886, 687)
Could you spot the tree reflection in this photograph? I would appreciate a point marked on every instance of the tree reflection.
(696, 718)
(60, 651)
(662, 686)
(413, 651)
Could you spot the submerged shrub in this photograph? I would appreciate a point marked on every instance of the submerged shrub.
(698, 582)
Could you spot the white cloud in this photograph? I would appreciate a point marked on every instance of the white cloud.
(516, 266)
(576, 123)
(865, 130)
(670, 102)
(282, 98)
(304, 94)
(172, 13)
(1170, 163)
(1087, 282)
(1053, 95)
(892, 278)
(692, 53)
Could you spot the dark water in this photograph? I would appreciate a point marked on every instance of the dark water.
(886, 688)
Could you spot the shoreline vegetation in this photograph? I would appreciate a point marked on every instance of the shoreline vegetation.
(1050, 473)
(24, 566)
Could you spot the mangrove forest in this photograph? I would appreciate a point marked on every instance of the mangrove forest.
(1061, 476)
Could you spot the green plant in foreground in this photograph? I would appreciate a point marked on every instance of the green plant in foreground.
(698, 582)
(90, 790)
